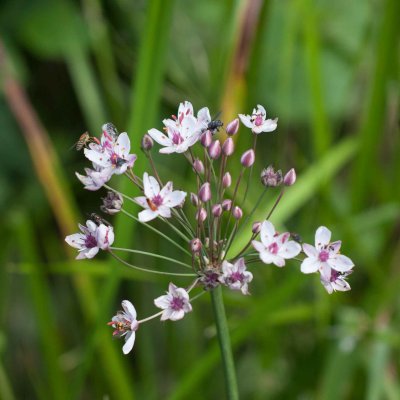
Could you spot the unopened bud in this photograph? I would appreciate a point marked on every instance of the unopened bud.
(226, 180)
(216, 210)
(270, 178)
(237, 212)
(112, 203)
(201, 215)
(228, 147)
(226, 204)
(256, 228)
(232, 127)
(205, 192)
(198, 166)
(206, 138)
(214, 150)
(147, 142)
(194, 199)
(290, 177)
(248, 158)
(195, 245)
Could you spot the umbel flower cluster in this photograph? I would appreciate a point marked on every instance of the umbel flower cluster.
(211, 221)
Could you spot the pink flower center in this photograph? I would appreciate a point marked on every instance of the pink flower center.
(323, 256)
(177, 138)
(157, 200)
(259, 120)
(334, 275)
(273, 248)
(90, 242)
(116, 160)
(177, 303)
(236, 277)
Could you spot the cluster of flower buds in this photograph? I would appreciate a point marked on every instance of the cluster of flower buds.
(211, 225)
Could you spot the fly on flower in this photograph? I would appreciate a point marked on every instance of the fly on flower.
(84, 140)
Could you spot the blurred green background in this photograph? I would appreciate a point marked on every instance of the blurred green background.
(328, 70)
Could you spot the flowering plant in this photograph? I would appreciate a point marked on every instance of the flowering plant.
(209, 226)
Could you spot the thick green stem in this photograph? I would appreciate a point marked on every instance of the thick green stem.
(225, 344)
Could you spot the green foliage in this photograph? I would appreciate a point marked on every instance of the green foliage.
(329, 71)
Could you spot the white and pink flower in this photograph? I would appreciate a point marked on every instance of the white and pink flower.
(91, 240)
(336, 281)
(258, 121)
(325, 255)
(125, 325)
(175, 303)
(183, 131)
(93, 180)
(275, 248)
(157, 201)
(235, 275)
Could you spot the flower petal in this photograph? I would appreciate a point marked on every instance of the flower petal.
(267, 232)
(129, 342)
(129, 309)
(341, 263)
(322, 237)
(309, 265)
(175, 198)
(151, 186)
(290, 249)
(147, 215)
(246, 120)
(310, 250)
(159, 137)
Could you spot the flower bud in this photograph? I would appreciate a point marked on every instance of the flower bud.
(226, 204)
(290, 177)
(198, 166)
(256, 228)
(232, 127)
(248, 158)
(228, 147)
(112, 203)
(195, 245)
(205, 192)
(206, 138)
(147, 142)
(226, 180)
(270, 178)
(237, 212)
(194, 199)
(214, 150)
(216, 210)
(201, 215)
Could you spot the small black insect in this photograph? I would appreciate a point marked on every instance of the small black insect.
(98, 220)
(214, 125)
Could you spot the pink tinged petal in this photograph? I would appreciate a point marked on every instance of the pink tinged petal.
(101, 159)
(129, 342)
(240, 265)
(309, 265)
(266, 257)
(177, 315)
(123, 145)
(187, 307)
(327, 285)
(87, 253)
(341, 285)
(169, 150)
(246, 120)
(260, 110)
(76, 240)
(180, 292)
(105, 236)
(142, 201)
(91, 225)
(129, 309)
(164, 211)
(203, 115)
(166, 314)
(322, 237)
(326, 271)
(278, 261)
(341, 263)
(267, 233)
(160, 137)
(168, 187)
(258, 245)
(151, 186)
(162, 301)
(269, 125)
(175, 198)
(290, 249)
(334, 247)
(310, 251)
(147, 215)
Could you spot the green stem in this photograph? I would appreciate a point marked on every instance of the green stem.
(225, 344)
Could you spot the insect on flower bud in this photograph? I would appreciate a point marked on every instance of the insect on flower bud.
(226, 204)
(198, 166)
(112, 203)
(194, 199)
(290, 177)
(205, 192)
(232, 127)
(256, 228)
(215, 149)
(228, 147)
(195, 245)
(201, 215)
(216, 210)
(226, 180)
(147, 142)
(237, 212)
(206, 138)
(270, 178)
(248, 158)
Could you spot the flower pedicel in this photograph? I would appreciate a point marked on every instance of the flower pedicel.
(209, 223)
